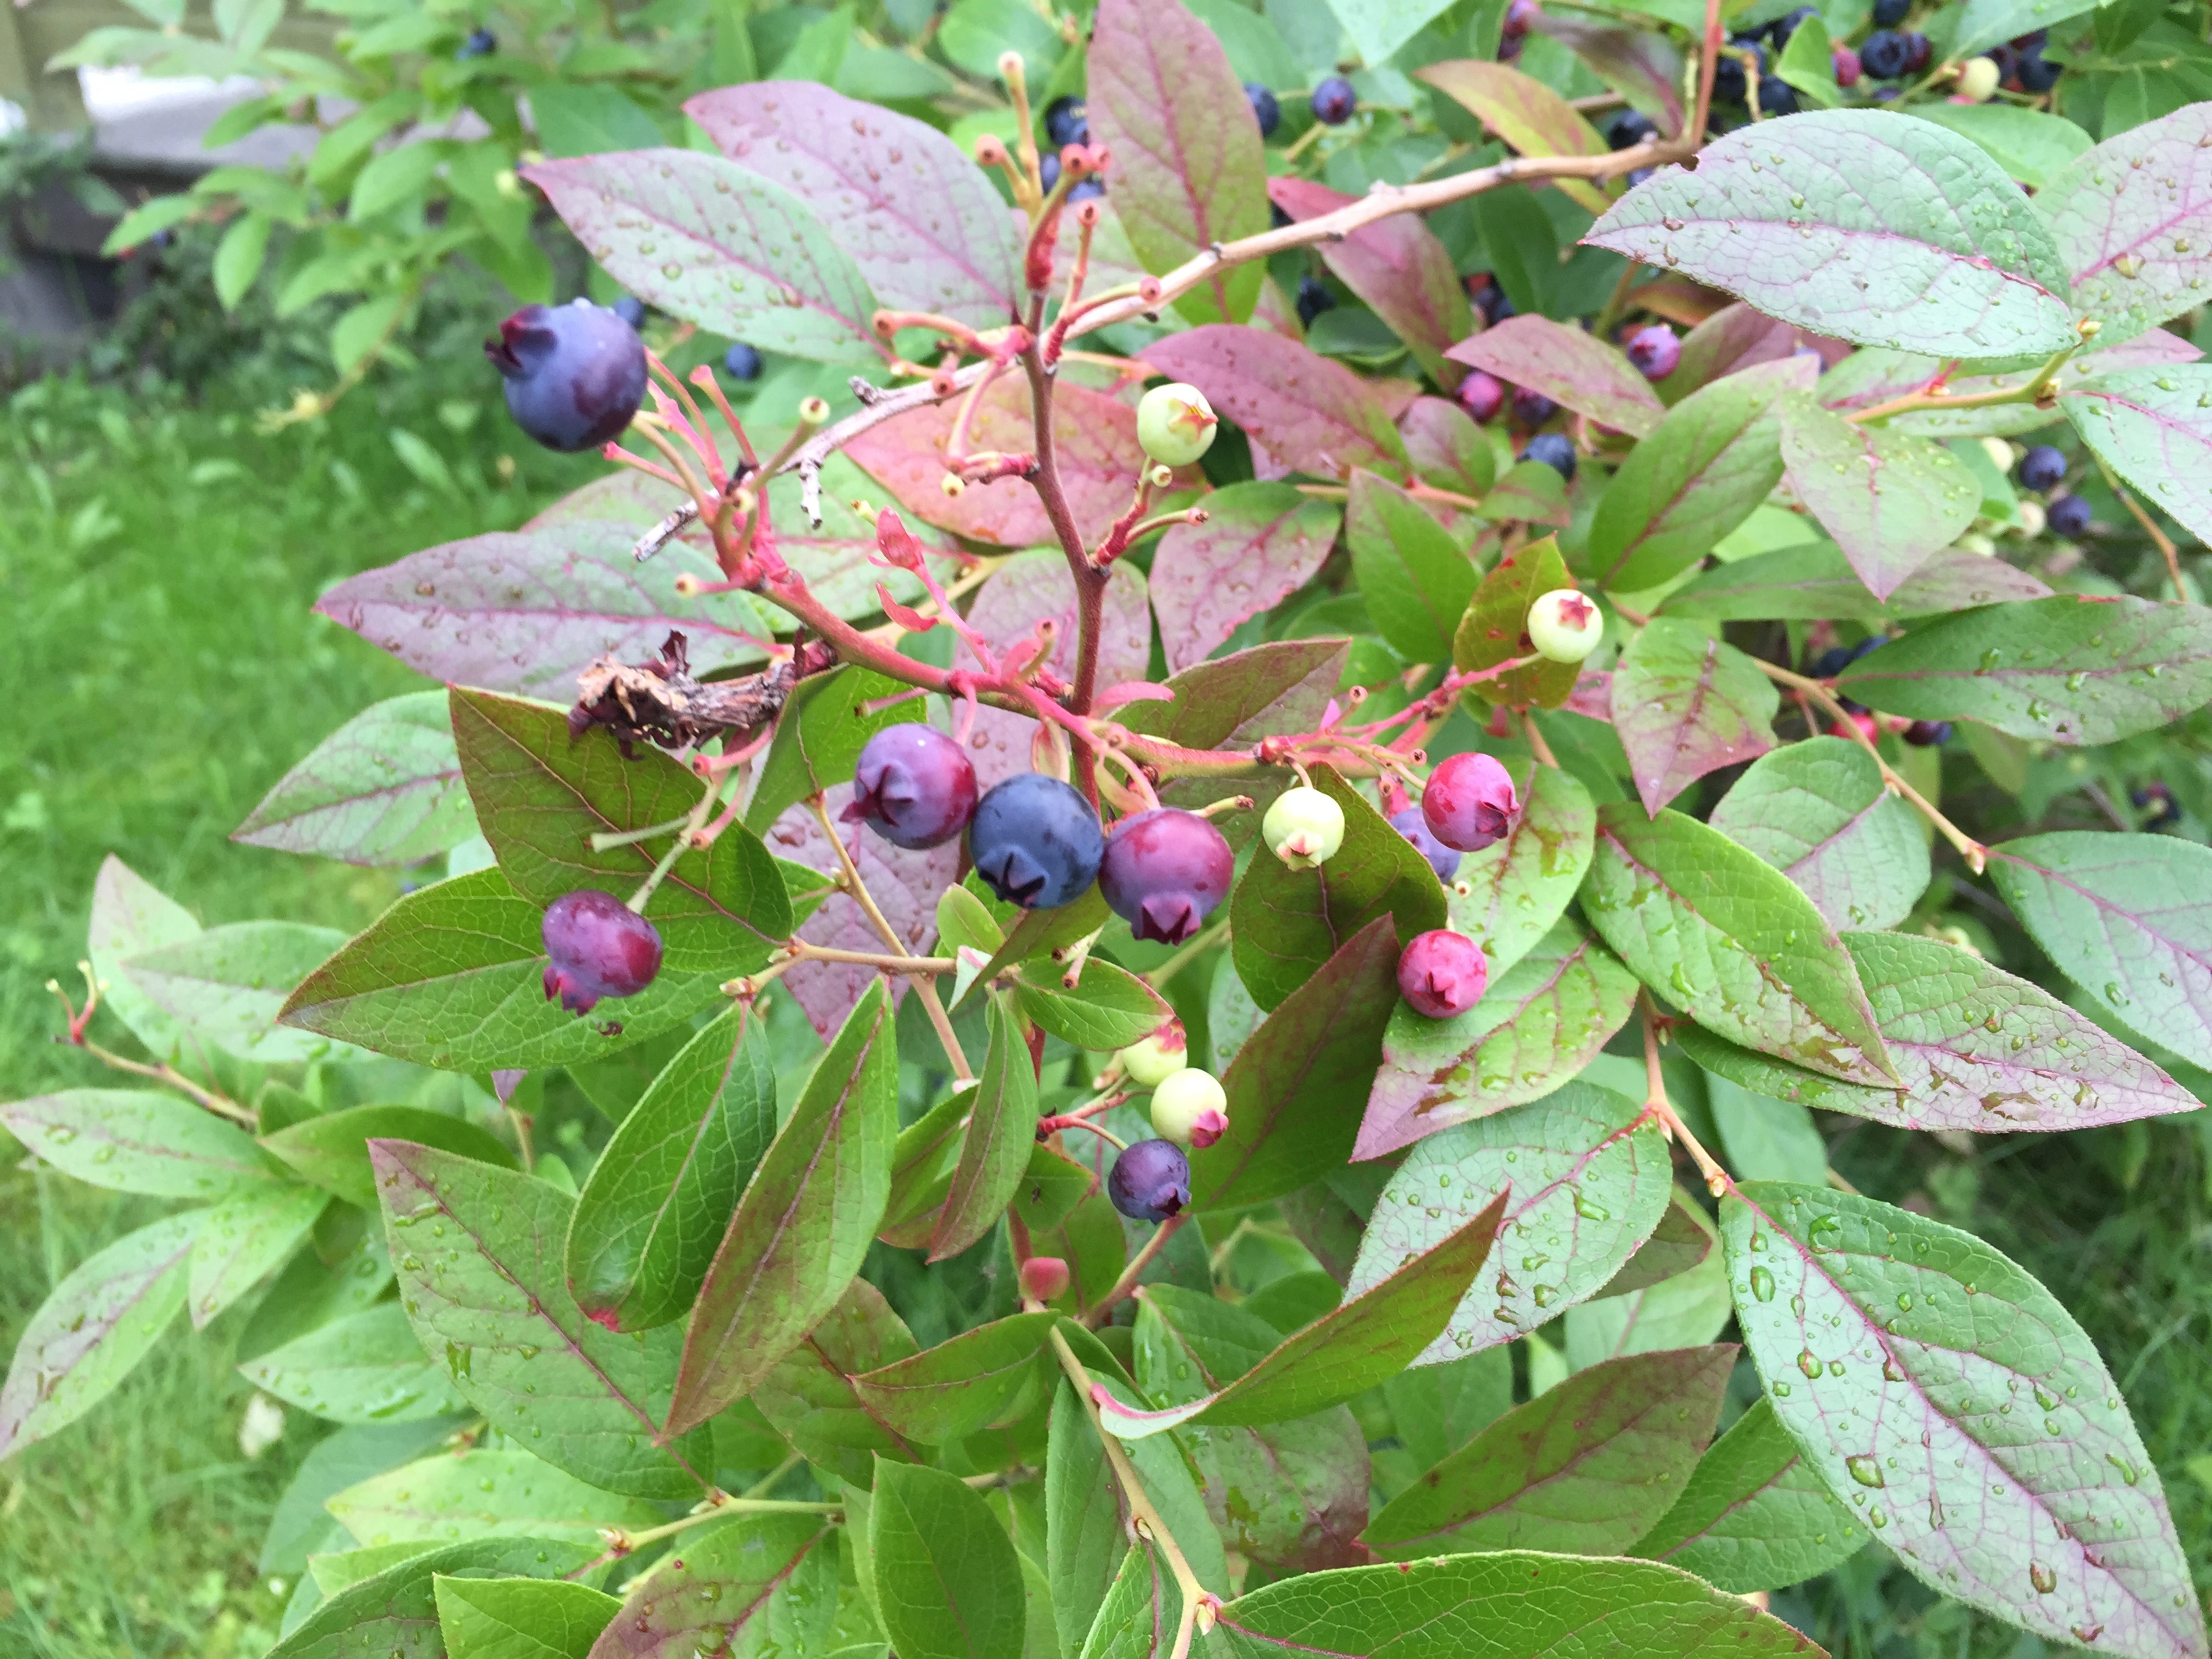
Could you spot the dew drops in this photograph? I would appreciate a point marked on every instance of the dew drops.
(1865, 1470)
(2042, 1578)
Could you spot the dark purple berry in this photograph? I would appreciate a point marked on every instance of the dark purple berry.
(1655, 352)
(600, 947)
(631, 310)
(1832, 661)
(1442, 973)
(1067, 121)
(1555, 449)
(1335, 101)
(1470, 802)
(575, 373)
(742, 362)
(1083, 189)
(2156, 795)
(2068, 517)
(1165, 871)
(1918, 51)
(2035, 74)
(1414, 827)
(1149, 1181)
(1492, 302)
(2042, 468)
(1888, 14)
(1783, 28)
(1481, 396)
(1049, 170)
(1928, 734)
(481, 43)
(1265, 110)
(1532, 409)
(1520, 17)
(914, 786)
(1036, 842)
(1883, 55)
(1628, 129)
(1776, 96)
(1313, 298)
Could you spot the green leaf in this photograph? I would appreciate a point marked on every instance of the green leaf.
(1795, 216)
(1527, 115)
(384, 789)
(1699, 474)
(520, 1617)
(1983, 23)
(753, 1584)
(818, 739)
(1754, 1516)
(1947, 1397)
(1188, 167)
(1573, 368)
(301, 1525)
(2153, 427)
(991, 1374)
(395, 1610)
(1415, 580)
(808, 1396)
(445, 1498)
(452, 976)
(1686, 703)
(712, 243)
(584, 1399)
(1509, 1605)
(1539, 1023)
(1038, 932)
(542, 792)
(244, 1240)
(995, 1149)
(1396, 266)
(1138, 1614)
(135, 1140)
(922, 1160)
(2128, 918)
(655, 1208)
(1344, 1352)
(1495, 629)
(97, 1323)
(332, 1150)
(1814, 582)
(1285, 923)
(947, 1581)
(1583, 1469)
(1680, 1242)
(1448, 449)
(1279, 687)
(2029, 144)
(130, 917)
(1806, 64)
(1890, 499)
(1581, 1167)
(365, 1368)
(1530, 493)
(239, 257)
(1517, 887)
(2131, 218)
(582, 118)
(1764, 1138)
(1731, 942)
(226, 985)
(803, 1223)
(1523, 246)
(1109, 1007)
(1819, 813)
(1083, 1520)
(2070, 669)
(1296, 1085)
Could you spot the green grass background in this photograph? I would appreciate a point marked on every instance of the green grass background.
(159, 669)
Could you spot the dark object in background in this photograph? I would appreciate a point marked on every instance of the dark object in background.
(1068, 121)
(1313, 298)
(1628, 129)
(2068, 517)
(1265, 110)
(1334, 102)
(1532, 409)
(1883, 54)
(1556, 450)
(742, 362)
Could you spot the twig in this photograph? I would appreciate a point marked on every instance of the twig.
(1126, 1284)
(2165, 547)
(916, 965)
(221, 1104)
(1657, 1103)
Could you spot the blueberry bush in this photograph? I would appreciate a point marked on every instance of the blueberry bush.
(1174, 974)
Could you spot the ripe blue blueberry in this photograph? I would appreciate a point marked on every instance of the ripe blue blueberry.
(1836, 658)
(1532, 409)
(2068, 517)
(1628, 129)
(1149, 1180)
(575, 373)
(598, 947)
(1470, 802)
(481, 43)
(1265, 110)
(1490, 300)
(1776, 96)
(1655, 352)
(1882, 55)
(1083, 189)
(1918, 51)
(631, 310)
(1335, 101)
(1036, 842)
(1163, 872)
(742, 362)
(1481, 396)
(1888, 14)
(1049, 170)
(2157, 799)
(914, 786)
(1068, 121)
(2042, 468)
(1313, 298)
(2034, 74)
(1441, 859)
(1555, 449)
(1783, 28)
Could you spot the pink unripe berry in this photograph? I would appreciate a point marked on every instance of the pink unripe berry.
(1442, 973)
(596, 946)
(1481, 396)
(1655, 352)
(1845, 63)
(1044, 1279)
(1470, 802)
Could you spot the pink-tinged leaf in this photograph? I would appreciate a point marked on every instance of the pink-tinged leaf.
(2133, 221)
(1819, 812)
(523, 610)
(1317, 415)
(2153, 427)
(1684, 704)
(905, 884)
(1592, 697)
(1344, 1353)
(1447, 448)
(1527, 114)
(1570, 367)
(1978, 1050)
(1732, 338)
(712, 243)
(1397, 266)
(918, 216)
(1889, 499)
(1095, 438)
(1866, 378)
(1959, 581)
(384, 789)
(1188, 169)
(97, 1324)
(769, 1578)
(1945, 1395)
(1260, 543)
(1642, 65)
(1799, 217)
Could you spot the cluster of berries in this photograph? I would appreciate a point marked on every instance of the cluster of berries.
(2043, 470)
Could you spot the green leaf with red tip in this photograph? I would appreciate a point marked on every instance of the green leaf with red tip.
(2131, 219)
(1686, 703)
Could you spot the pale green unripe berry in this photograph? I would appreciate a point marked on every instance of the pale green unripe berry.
(1151, 1062)
(1977, 79)
(1304, 828)
(1563, 626)
(2030, 515)
(1190, 1108)
(1176, 424)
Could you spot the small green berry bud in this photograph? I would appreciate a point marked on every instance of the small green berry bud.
(1176, 424)
(1563, 626)
(1304, 828)
(1977, 79)
(1151, 1062)
(1190, 1108)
